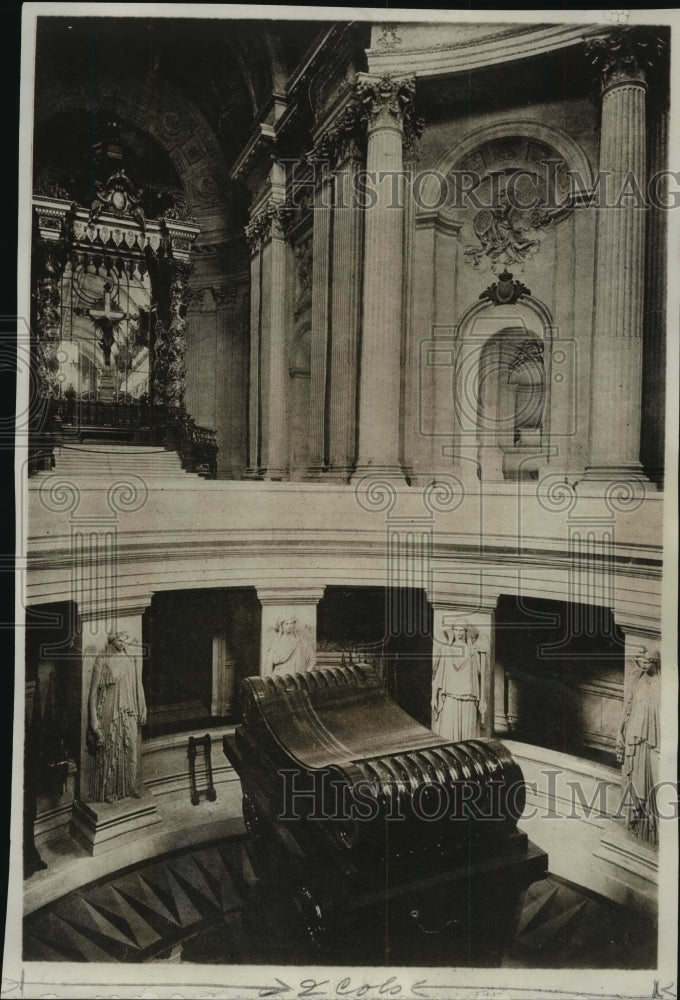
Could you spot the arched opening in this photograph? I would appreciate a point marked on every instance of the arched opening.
(502, 389)
(510, 402)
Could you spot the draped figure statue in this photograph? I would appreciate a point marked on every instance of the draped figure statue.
(458, 683)
(117, 710)
(639, 746)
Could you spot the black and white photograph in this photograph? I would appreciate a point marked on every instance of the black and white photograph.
(346, 503)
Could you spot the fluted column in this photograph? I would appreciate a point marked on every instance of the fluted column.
(345, 316)
(254, 376)
(379, 400)
(320, 323)
(654, 348)
(271, 319)
(280, 320)
(229, 388)
(616, 374)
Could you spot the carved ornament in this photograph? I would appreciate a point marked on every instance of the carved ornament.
(505, 291)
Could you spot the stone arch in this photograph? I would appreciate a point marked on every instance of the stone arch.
(563, 144)
(499, 455)
(179, 128)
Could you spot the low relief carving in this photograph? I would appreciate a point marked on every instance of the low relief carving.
(291, 648)
(389, 37)
(303, 274)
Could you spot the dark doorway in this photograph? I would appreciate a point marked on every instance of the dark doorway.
(388, 627)
(200, 645)
(559, 675)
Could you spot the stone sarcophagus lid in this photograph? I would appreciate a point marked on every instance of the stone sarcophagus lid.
(371, 837)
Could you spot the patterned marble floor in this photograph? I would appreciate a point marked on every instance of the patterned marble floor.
(188, 907)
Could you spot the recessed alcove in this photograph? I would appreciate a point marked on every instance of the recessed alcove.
(388, 627)
(200, 644)
(559, 675)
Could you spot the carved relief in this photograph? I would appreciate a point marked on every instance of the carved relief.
(47, 320)
(389, 37)
(505, 291)
(119, 196)
(303, 275)
(170, 367)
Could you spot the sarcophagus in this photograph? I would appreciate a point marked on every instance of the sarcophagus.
(369, 834)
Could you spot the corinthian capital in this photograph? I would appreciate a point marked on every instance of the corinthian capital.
(386, 98)
(624, 54)
(390, 102)
(270, 223)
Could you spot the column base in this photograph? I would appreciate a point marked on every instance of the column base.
(340, 473)
(101, 826)
(252, 473)
(275, 475)
(615, 473)
(378, 472)
(315, 473)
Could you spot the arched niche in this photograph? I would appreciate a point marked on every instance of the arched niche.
(502, 388)
(173, 122)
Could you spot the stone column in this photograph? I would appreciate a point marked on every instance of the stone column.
(101, 826)
(320, 322)
(171, 346)
(621, 59)
(285, 603)
(230, 396)
(380, 396)
(654, 353)
(255, 374)
(279, 257)
(271, 324)
(446, 614)
(345, 315)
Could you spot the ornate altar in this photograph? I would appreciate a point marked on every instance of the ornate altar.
(371, 839)
(110, 292)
